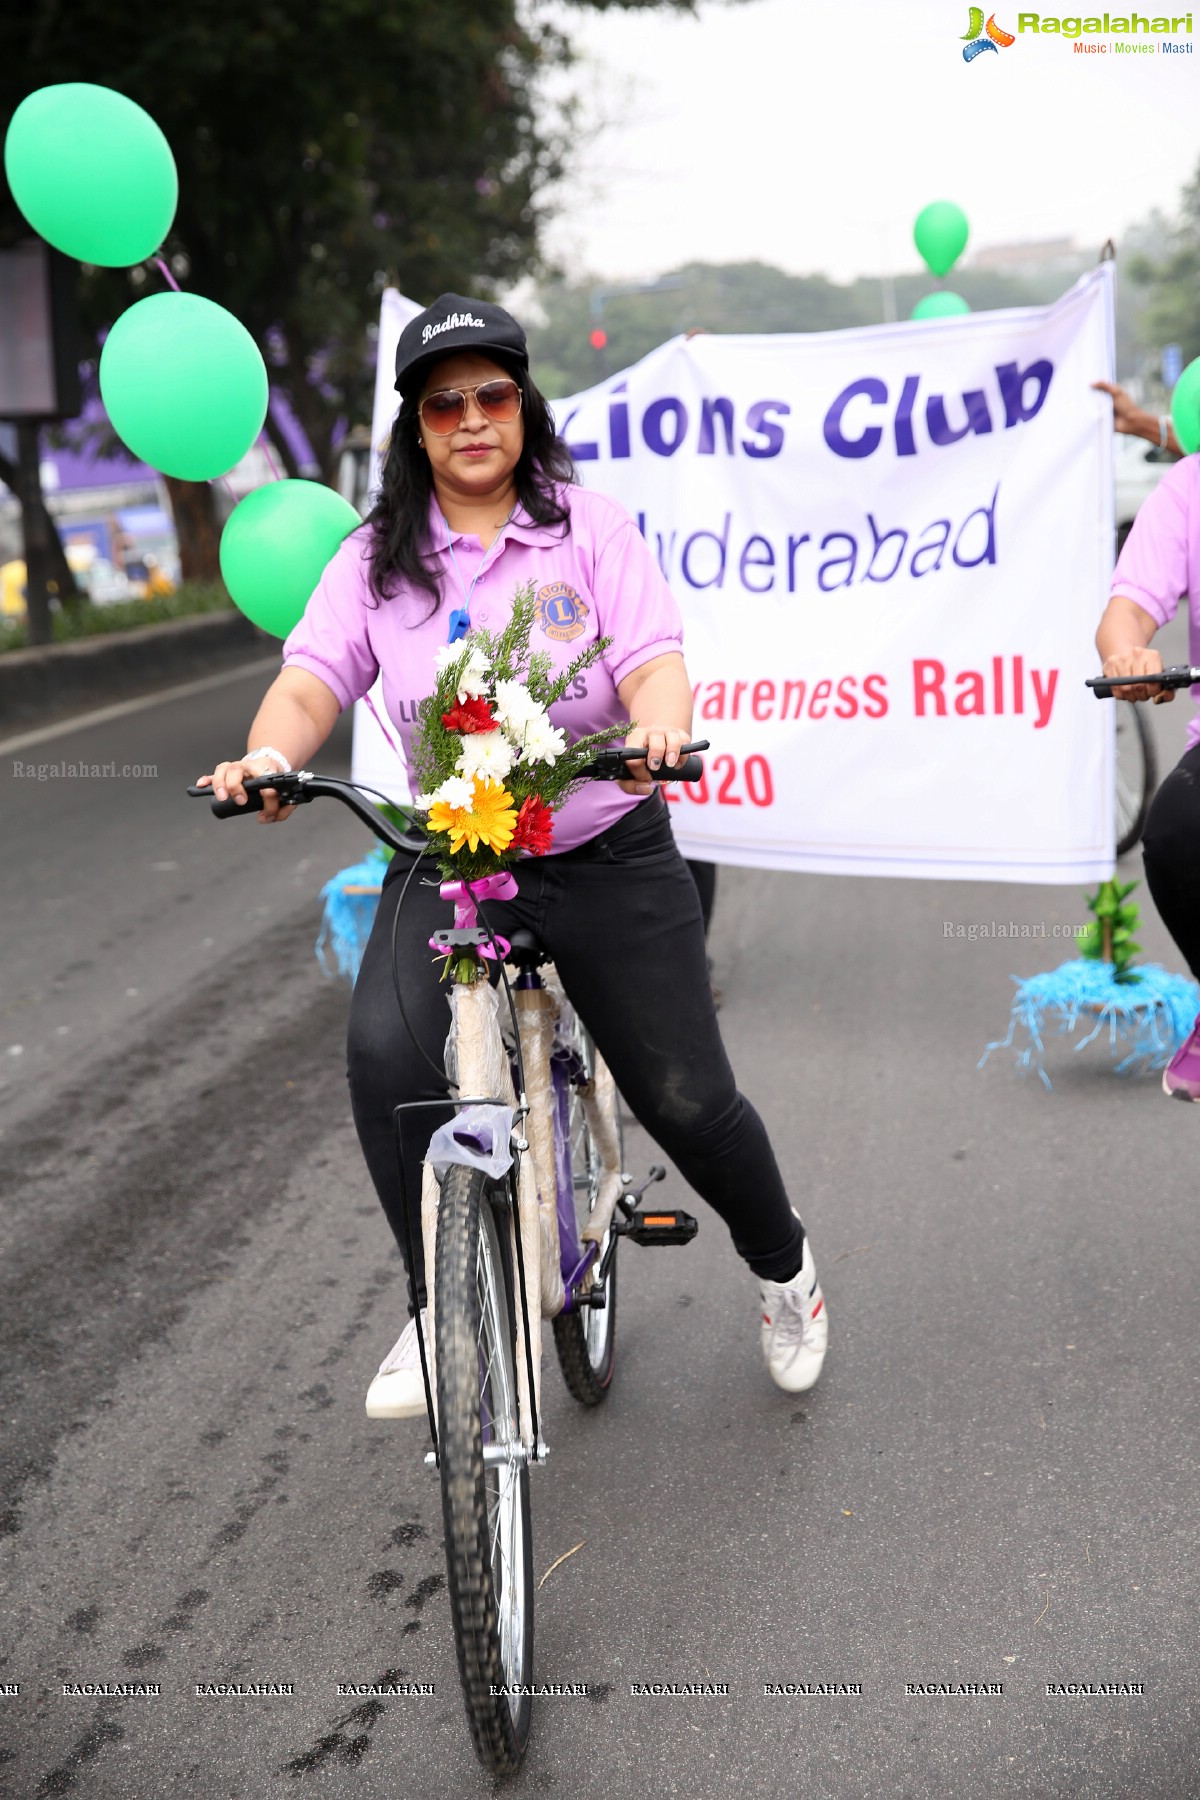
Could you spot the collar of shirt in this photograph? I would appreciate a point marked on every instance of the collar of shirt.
(521, 528)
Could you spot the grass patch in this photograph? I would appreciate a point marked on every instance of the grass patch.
(85, 620)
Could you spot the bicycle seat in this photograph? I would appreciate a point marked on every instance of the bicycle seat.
(525, 951)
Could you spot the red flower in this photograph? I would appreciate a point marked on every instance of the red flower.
(534, 828)
(469, 716)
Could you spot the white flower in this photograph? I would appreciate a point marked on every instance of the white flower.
(486, 753)
(516, 709)
(543, 742)
(456, 790)
(475, 674)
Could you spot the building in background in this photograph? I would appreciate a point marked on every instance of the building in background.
(113, 513)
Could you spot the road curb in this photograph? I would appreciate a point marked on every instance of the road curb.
(40, 686)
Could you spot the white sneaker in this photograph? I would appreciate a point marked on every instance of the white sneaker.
(795, 1327)
(398, 1392)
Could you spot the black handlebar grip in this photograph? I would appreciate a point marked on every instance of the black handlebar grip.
(229, 809)
(1103, 690)
(690, 769)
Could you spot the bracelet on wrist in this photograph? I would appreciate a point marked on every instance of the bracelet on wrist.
(282, 765)
(1164, 426)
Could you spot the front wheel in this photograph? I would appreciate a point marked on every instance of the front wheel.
(485, 1493)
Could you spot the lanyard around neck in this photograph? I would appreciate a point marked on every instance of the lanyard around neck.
(460, 617)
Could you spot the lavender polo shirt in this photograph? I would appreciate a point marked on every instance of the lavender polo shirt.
(1160, 564)
(600, 580)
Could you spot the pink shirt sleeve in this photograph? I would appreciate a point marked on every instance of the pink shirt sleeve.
(1153, 568)
(637, 608)
(332, 640)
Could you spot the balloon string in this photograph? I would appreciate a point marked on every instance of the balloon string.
(171, 282)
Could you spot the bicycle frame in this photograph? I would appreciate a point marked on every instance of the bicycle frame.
(482, 1068)
(575, 1258)
(545, 1236)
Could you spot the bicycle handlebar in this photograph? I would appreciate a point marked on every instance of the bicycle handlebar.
(1179, 675)
(301, 785)
(612, 764)
(297, 788)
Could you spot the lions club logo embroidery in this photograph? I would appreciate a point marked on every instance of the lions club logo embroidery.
(561, 612)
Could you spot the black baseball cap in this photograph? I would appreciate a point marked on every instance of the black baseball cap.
(455, 323)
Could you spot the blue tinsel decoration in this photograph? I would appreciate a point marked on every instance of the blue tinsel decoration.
(348, 918)
(1152, 1014)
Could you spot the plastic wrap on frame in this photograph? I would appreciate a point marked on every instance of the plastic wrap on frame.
(600, 1102)
(536, 1016)
(483, 1069)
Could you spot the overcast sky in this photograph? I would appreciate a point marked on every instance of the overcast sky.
(809, 133)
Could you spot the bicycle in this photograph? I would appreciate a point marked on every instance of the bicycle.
(1136, 760)
(1136, 776)
(525, 1220)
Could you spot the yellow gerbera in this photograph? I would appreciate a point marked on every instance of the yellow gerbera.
(490, 819)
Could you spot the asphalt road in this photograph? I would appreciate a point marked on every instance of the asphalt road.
(995, 1481)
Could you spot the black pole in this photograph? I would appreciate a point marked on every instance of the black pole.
(35, 528)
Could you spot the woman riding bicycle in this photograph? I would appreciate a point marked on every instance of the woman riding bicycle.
(478, 499)
(1159, 566)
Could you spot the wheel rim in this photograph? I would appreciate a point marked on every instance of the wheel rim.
(502, 1480)
(1130, 774)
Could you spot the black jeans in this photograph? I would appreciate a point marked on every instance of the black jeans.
(704, 874)
(1171, 846)
(621, 918)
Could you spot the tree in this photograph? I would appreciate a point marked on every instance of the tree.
(736, 297)
(1171, 280)
(320, 150)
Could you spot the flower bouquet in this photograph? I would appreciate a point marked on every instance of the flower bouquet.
(491, 768)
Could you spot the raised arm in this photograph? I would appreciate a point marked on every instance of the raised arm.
(1131, 420)
(297, 714)
(658, 698)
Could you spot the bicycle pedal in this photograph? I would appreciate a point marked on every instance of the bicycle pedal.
(662, 1228)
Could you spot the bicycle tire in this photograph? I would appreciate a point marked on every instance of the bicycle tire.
(485, 1509)
(1133, 796)
(585, 1340)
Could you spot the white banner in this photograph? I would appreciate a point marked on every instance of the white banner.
(891, 547)
(374, 761)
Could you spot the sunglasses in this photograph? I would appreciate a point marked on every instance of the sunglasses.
(444, 410)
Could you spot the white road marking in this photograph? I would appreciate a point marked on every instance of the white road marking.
(105, 714)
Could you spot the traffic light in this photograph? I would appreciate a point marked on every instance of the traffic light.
(598, 339)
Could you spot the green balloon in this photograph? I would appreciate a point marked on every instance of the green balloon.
(275, 546)
(92, 173)
(1185, 407)
(942, 305)
(185, 385)
(940, 234)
